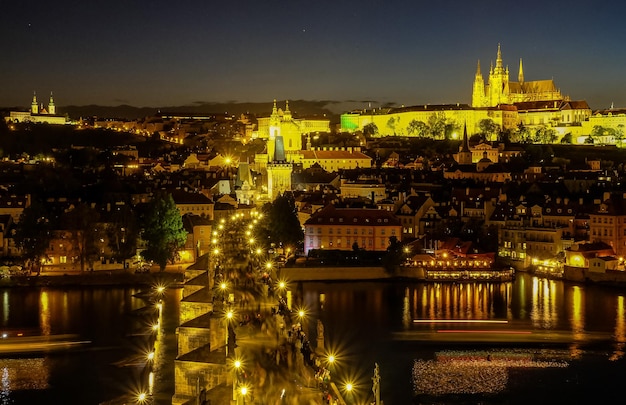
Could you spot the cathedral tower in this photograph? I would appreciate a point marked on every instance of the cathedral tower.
(51, 107)
(478, 94)
(499, 82)
(464, 157)
(34, 107)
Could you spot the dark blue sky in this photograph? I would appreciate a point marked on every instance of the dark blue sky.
(165, 53)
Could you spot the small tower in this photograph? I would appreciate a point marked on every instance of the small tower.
(278, 171)
(520, 76)
(34, 107)
(51, 107)
(464, 157)
(478, 94)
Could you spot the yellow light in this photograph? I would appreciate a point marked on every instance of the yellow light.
(268, 265)
(349, 387)
(216, 251)
(151, 356)
(155, 327)
(282, 285)
(237, 363)
(251, 241)
(258, 251)
(141, 397)
(243, 390)
(223, 286)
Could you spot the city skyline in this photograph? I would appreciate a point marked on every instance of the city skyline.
(404, 52)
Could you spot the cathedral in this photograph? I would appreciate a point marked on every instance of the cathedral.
(499, 90)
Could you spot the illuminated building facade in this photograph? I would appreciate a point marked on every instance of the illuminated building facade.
(341, 228)
(38, 114)
(291, 128)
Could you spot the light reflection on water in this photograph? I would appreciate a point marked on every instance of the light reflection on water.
(373, 322)
(22, 374)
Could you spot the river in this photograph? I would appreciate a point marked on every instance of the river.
(532, 340)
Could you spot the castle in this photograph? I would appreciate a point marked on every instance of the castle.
(499, 90)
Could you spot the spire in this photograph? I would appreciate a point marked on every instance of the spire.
(520, 76)
(287, 114)
(478, 69)
(465, 144)
(274, 109)
(499, 68)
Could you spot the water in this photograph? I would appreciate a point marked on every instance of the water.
(570, 346)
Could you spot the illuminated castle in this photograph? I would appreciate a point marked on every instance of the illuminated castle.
(499, 90)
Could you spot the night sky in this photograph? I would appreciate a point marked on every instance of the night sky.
(168, 53)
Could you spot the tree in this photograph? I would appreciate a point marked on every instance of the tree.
(545, 135)
(488, 128)
(417, 128)
(82, 222)
(280, 225)
(619, 134)
(370, 129)
(567, 138)
(391, 124)
(163, 231)
(122, 232)
(33, 234)
(437, 124)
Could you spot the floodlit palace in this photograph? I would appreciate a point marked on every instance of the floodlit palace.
(508, 104)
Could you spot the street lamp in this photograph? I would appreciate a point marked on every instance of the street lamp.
(243, 390)
(237, 364)
(228, 316)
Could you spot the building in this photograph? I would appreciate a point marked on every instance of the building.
(343, 228)
(38, 114)
(292, 129)
(278, 170)
(500, 90)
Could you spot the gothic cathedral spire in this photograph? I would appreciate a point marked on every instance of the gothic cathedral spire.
(520, 76)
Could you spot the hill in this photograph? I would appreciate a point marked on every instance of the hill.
(299, 107)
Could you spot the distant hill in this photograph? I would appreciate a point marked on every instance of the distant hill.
(331, 109)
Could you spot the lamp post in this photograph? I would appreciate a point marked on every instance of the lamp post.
(228, 317)
(236, 367)
(243, 391)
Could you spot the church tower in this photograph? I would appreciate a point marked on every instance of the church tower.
(478, 94)
(520, 76)
(498, 83)
(464, 157)
(34, 107)
(278, 170)
(274, 127)
(51, 107)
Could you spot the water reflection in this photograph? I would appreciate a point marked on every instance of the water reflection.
(620, 330)
(22, 374)
(456, 301)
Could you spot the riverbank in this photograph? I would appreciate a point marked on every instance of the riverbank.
(100, 278)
